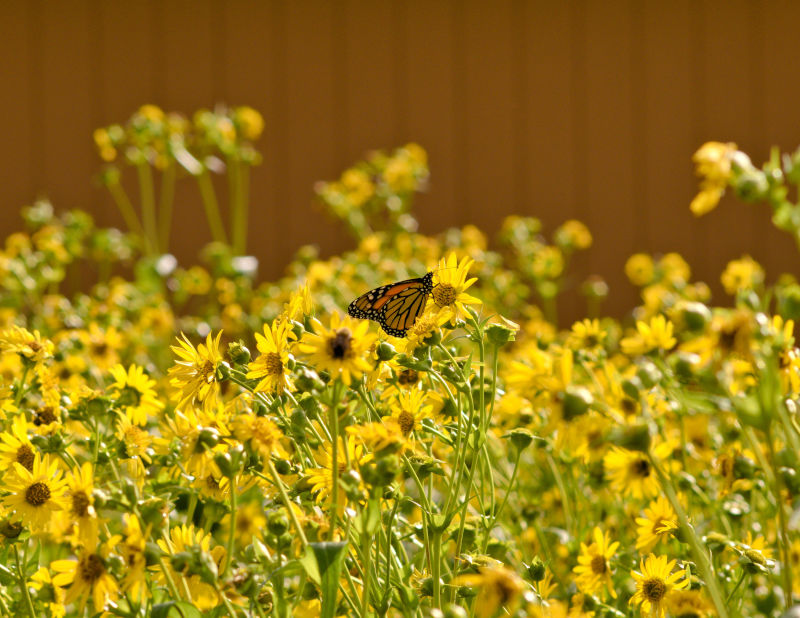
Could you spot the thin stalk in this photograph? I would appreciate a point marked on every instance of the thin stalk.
(21, 386)
(126, 210)
(23, 583)
(700, 557)
(148, 198)
(211, 206)
(783, 529)
(292, 515)
(334, 422)
(166, 202)
(232, 530)
(237, 177)
(366, 557)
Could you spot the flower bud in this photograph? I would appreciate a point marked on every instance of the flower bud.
(577, 400)
(386, 351)
(499, 334)
(238, 353)
(536, 569)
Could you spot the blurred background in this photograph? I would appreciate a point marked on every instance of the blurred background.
(587, 110)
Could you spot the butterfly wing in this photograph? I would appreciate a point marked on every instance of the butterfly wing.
(395, 306)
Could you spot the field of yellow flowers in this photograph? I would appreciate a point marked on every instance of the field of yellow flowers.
(193, 442)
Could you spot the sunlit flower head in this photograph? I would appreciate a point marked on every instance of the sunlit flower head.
(713, 161)
(195, 372)
(31, 346)
(80, 504)
(587, 335)
(88, 577)
(593, 572)
(132, 550)
(342, 349)
(653, 335)
(499, 587)
(15, 446)
(270, 368)
(321, 479)
(42, 582)
(409, 409)
(658, 524)
(36, 494)
(135, 393)
(630, 473)
(742, 274)
(655, 583)
(450, 283)
(425, 326)
(261, 433)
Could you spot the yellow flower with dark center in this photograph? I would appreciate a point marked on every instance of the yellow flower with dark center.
(410, 410)
(31, 346)
(132, 550)
(321, 479)
(689, 604)
(587, 335)
(341, 350)
(658, 524)
(36, 494)
(655, 584)
(655, 335)
(262, 433)
(630, 473)
(713, 161)
(270, 367)
(742, 274)
(425, 326)
(499, 587)
(136, 440)
(593, 572)
(250, 523)
(15, 446)
(88, 577)
(450, 284)
(80, 505)
(195, 372)
(103, 345)
(183, 539)
(135, 393)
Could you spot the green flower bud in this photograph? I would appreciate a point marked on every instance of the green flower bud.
(631, 437)
(238, 353)
(499, 334)
(278, 523)
(536, 570)
(223, 371)
(386, 351)
(577, 400)
(520, 437)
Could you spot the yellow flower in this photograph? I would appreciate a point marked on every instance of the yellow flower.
(640, 269)
(689, 604)
(15, 446)
(341, 349)
(587, 335)
(250, 523)
(499, 588)
(358, 186)
(713, 163)
(183, 539)
(655, 584)
(676, 270)
(547, 263)
(321, 479)
(135, 393)
(450, 284)
(655, 335)
(88, 577)
(31, 346)
(630, 473)
(379, 438)
(132, 550)
(409, 411)
(36, 494)
(572, 235)
(43, 583)
(593, 572)
(195, 373)
(658, 524)
(742, 274)
(249, 122)
(80, 501)
(270, 367)
(136, 440)
(262, 433)
(426, 325)
(103, 345)
(299, 304)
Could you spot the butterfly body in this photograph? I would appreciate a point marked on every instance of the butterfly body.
(395, 306)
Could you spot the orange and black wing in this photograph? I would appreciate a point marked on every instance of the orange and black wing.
(396, 306)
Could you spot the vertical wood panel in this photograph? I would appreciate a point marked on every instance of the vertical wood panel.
(430, 118)
(489, 130)
(17, 41)
(610, 198)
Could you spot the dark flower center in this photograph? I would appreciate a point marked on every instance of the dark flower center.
(599, 565)
(407, 376)
(25, 457)
(80, 503)
(406, 421)
(44, 416)
(339, 345)
(641, 468)
(273, 364)
(91, 568)
(37, 494)
(444, 294)
(654, 589)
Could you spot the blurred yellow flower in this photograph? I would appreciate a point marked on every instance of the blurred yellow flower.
(341, 349)
(713, 163)
(742, 274)
(195, 372)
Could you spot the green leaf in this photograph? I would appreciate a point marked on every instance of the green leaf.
(323, 564)
(175, 609)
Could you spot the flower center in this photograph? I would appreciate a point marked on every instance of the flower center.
(407, 376)
(599, 565)
(273, 364)
(44, 416)
(339, 345)
(100, 349)
(263, 431)
(444, 294)
(130, 396)
(212, 483)
(628, 405)
(37, 494)
(80, 503)
(654, 590)
(91, 568)
(641, 468)
(207, 372)
(25, 457)
(406, 421)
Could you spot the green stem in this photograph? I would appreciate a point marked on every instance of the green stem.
(148, 197)
(21, 386)
(292, 515)
(736, 587)
(232, 530)
(127, 211)
(334, 428)
(786, 567)
(366, 557)
(700, 556)
(509, 487)
(23, 582)
(211, 206)
(166, 202)
(237, 176)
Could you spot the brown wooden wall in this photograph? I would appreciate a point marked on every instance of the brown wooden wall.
(557, 109)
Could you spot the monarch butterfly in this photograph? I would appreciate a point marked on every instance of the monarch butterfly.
(395, 306)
